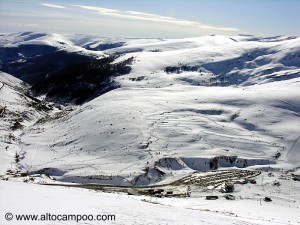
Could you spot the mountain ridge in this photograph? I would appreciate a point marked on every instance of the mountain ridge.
(193, 102)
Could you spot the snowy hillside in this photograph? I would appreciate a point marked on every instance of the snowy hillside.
(126, 130)
(18, 198)
(214, 60)
(209, 60)
(185, 112)
(18, 109)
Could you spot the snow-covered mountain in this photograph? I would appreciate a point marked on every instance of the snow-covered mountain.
(160, 110)
(240, 60)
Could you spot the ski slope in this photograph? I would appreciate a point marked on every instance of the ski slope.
(140, 209)
(188, 106)
(184, 103)
(127, 130)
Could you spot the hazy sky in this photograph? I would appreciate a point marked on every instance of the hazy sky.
(152, 18)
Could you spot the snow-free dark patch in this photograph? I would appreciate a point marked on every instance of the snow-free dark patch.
(82, 82)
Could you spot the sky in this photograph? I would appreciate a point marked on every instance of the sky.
(152, 18)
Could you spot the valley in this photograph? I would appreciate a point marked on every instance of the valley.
(167, 114)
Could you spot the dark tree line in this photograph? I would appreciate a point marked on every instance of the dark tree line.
(83, 81)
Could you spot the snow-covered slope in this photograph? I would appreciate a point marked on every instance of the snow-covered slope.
(208, 60)
(127, 130)
(226, 105)
(29, 199)
(58, 41)
(213, 60)
(12, 106)
(185, 102)
(17, 110)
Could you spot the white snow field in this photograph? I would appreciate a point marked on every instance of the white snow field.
(18, 198)
(126, 130)
(188, 106)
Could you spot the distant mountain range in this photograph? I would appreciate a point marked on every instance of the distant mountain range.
(129, 111)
